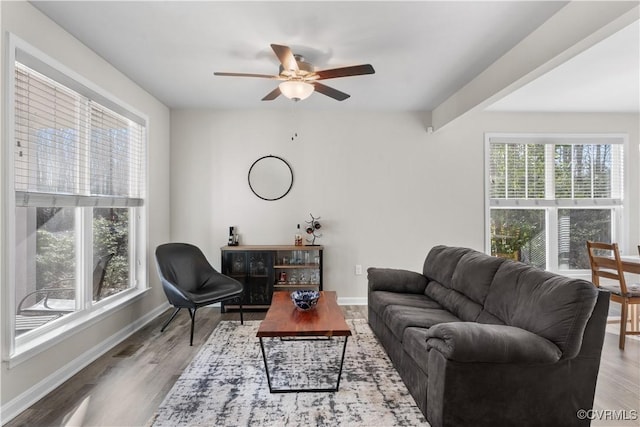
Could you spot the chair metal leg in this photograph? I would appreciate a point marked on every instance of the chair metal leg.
(241, 317)
(170, 319)
(193, 321)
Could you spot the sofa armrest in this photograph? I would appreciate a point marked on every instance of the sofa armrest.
(478, 342)
(396, 280)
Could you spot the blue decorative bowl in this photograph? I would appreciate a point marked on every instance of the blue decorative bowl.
(305, 299)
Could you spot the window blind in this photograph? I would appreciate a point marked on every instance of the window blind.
(550, 171)
(517, 171)
(72, 151)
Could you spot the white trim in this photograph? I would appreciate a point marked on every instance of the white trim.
(352, 300)
(27, 398)
(487, 192)
(8, 202)
(51, 335)
(552, 240)
(559, 203)
(552, 138)
(29, 198)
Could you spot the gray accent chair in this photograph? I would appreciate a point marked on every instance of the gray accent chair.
(484, 341)
(190, 282)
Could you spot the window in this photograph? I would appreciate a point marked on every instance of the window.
(549, 194)
(78, 188)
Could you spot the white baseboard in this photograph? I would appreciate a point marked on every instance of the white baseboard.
(352, 300)
(15, 406)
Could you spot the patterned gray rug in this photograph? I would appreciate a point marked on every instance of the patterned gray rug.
(226, 385)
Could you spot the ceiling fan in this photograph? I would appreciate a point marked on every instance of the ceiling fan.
(300, 79)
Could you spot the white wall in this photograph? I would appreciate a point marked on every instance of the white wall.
(387, 190)
(27, 380)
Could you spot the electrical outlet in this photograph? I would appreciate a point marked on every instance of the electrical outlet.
(358, 269)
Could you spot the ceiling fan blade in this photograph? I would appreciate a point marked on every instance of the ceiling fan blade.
(330, 92)
(285, 56)
(355, 70)
(264, 76)
(272, 95)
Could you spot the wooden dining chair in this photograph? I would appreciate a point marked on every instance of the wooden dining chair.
(606, 263)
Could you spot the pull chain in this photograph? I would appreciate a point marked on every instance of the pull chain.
(295, 121)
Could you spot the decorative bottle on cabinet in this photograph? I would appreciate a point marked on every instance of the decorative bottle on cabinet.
(234, 237)
(298, 237)
(230, 236)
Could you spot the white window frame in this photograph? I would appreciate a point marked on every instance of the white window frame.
(551, 207)
(18, 349)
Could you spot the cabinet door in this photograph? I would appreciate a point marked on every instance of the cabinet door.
(259, 281)
(254, 269)
(235, 265)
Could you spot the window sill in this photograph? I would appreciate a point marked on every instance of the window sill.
(79, 322)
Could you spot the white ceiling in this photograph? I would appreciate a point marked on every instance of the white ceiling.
(422, 52)
(605, 77)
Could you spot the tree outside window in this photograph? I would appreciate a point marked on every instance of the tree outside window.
(519, 234)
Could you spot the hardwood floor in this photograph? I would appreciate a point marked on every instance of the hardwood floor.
(126, 385)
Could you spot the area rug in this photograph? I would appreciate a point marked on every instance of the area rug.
(226, 385)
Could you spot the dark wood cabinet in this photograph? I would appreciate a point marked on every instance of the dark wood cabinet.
(263, 269)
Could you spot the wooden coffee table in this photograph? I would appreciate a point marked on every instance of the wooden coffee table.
(284, 320)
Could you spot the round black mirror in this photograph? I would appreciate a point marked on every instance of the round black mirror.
(270, 177)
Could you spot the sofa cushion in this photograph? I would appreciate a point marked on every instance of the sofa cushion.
(552, 306)
(414, 343)
(395, 280)
(441, 263)
(452, 273)
(458, 304)
(399, 317)
(488, 318)
(475, 342)
(379, 300)
(474, 275)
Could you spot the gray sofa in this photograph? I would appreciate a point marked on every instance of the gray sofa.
(484, 341)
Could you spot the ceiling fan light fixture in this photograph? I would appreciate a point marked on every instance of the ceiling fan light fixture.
(296, 90)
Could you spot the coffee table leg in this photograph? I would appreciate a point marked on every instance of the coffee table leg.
(300, 390)
(266, 367)
(344, 350)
